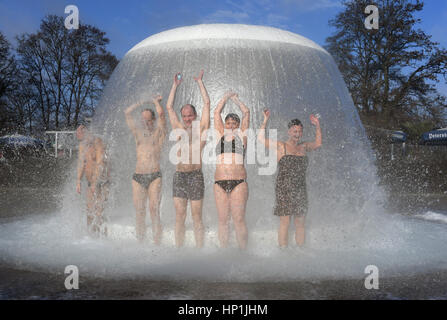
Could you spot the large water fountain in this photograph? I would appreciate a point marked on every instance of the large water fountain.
(348, 229)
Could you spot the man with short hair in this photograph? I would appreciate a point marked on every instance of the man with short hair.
(92, 164)
(188, 183)
(149, 136)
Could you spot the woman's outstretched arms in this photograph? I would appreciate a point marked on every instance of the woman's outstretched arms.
(261, 133)
(318, 140)
(245, 112)
(218, 123)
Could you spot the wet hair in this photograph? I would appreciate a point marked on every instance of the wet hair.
(83, 126)
(294, 122)
(151, 111)
(192, 107)
(234, 117)
(85, 123)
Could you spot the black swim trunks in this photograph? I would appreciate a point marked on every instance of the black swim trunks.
(145, 180)
(188, 185)
(100, 183)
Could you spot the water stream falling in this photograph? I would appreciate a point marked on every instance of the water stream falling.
(347, 225)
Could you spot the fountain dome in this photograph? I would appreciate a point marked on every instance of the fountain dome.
(268, 68)
(347, 226)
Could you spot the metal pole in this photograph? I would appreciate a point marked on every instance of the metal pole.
(55, 152)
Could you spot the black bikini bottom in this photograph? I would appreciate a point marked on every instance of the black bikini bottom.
(145, 180)
(100, 183)
(228, 185)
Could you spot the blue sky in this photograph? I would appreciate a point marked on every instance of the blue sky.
(129, 22)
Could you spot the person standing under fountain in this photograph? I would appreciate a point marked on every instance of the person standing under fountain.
(92, 164)
(291, 194)
(147, 179)
(188, 183)
(231, 188)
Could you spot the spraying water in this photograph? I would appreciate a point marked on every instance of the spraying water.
(347, 227)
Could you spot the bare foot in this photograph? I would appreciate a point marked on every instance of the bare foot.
(158, 234)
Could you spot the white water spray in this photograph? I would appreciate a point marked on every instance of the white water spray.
(347, 226)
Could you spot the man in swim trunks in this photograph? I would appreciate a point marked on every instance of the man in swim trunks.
(149, 134)
(92, 164)
(188, 181)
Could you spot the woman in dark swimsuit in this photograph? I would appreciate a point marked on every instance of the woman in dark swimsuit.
(230, 188)
(291, 194)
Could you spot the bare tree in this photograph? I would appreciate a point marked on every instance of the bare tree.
(88, 66)
(32, 62)
(23, 103)
(7, 71)
(54, 38)
(391, 72)
(65, 71)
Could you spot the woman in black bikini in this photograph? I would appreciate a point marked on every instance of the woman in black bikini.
(291, 194)
(230, 188)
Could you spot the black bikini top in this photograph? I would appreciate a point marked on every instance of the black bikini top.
(237, 146)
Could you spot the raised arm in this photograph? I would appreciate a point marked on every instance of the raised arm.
(245, 113)
(261, 133)
(205, 120)
(318, 141)
(161, 121)
(173, 118)
(80, 168)
(218, 123)
(129, 119)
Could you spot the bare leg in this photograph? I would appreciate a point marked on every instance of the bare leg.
(283, 232)
(90, 209)
(223, 211)
(196, 211)
(139, 201)
(299, 232)
(154, 206)
(102, 194)
(180, 217)
(238, 202)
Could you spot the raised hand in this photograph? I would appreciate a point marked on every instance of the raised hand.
(157, 99)
(177, 81)
(78, 187)
(314, 120)
(266, 114)
(199, 78)
(235, 99)
(229, 94)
